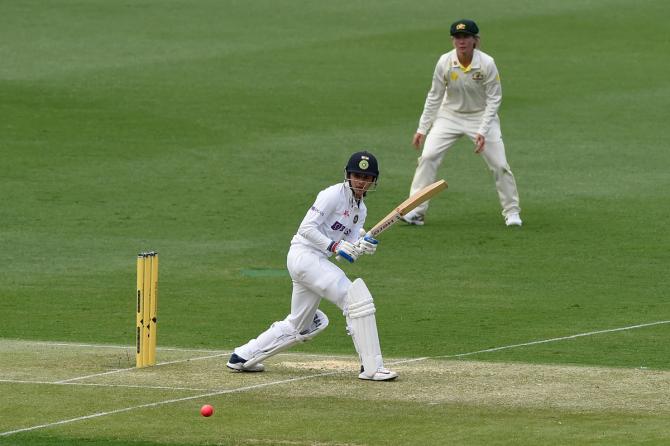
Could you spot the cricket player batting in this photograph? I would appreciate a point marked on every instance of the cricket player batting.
(332, 226)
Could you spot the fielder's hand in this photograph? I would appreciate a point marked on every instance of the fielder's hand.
(367, 245)
(479, 143)
(417, 141)
(347, 250)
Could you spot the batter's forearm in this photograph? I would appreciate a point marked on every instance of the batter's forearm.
(315, 237)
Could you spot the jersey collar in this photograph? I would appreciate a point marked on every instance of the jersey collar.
(475, 64)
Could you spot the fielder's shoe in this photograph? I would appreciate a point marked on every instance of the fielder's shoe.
(237, 363)
(413, 219)
(382, 374)
(513, 219)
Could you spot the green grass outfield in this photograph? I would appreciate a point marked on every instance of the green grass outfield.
(205, 129)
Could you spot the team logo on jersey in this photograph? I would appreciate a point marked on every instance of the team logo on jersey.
(355, 219)
(346, 213)
(454, 75)
(364, 164)
(477, 76)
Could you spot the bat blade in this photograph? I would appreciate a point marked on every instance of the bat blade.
(406, 206)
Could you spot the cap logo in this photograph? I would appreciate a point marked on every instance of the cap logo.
(364, 164)
(460, 26)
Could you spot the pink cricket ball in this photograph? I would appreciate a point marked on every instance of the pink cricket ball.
(206, 410)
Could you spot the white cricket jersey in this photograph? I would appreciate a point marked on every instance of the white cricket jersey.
(459, 90)
(335, 215)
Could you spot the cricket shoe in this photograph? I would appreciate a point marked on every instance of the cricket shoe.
(382, 374)
(237, 363)
(413, 219)
(513, 219)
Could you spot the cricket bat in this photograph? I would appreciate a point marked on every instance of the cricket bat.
(403, 208)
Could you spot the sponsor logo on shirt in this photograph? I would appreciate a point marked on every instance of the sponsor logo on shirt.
(314, 209)
(337, 226)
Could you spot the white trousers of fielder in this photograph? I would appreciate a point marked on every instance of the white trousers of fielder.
(447, 129)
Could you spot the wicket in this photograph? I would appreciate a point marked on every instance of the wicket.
(147, 302)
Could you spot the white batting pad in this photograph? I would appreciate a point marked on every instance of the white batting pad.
(279, 337)
(362, 326)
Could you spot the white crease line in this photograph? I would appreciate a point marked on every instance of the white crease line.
(78, 378)
(166, 349)
(111, 372)
(70, 381)
(562, 338)
(160, 403)
(525, 344)
(272, 383)
(137, 386)
(111, 346)
(177, 361)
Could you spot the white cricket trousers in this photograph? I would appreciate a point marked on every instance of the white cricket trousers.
(314, 277)
(449, 128)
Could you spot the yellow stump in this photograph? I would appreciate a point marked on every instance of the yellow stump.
(153, 309)
(139, 336)
(146, 310)
(147, 300)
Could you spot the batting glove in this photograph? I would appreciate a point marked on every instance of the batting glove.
(346, 250)
(367, 244)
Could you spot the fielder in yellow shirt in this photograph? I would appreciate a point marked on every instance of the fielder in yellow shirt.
(464, 100)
